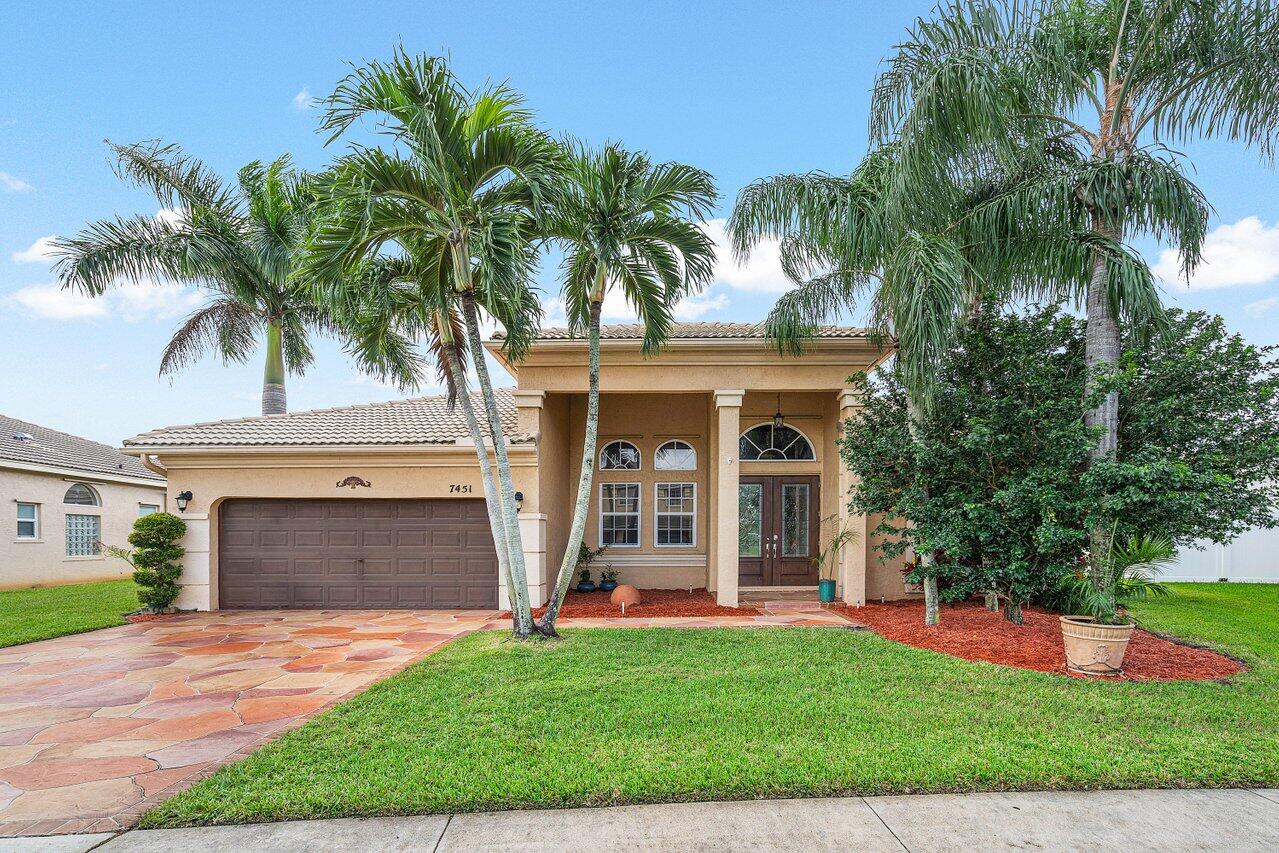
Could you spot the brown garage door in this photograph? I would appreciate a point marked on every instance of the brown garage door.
(355, 554)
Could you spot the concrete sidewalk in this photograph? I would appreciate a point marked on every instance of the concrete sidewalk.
(1128, 821)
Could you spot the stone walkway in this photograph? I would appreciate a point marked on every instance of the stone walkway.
(97, 728)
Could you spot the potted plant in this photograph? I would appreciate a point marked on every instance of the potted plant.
(608, 579)
(585, 556)
(827, 560)
(1097, 638)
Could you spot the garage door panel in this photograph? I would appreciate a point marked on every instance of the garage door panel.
(356, 553)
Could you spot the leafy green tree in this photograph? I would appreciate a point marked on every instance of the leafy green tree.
(1099, 86)
(242, 245)
(623, 222)
(997, 480)
(458, 191)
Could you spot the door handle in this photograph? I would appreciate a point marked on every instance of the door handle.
(359, 567)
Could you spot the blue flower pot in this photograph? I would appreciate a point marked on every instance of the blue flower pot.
(608, 586)
(588, 586)
(826, 590)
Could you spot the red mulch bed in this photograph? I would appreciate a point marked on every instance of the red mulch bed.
(148, 617)
(653, 603)
(972, 632)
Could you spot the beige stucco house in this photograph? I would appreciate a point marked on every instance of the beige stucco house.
(717, 468)
(62, 495)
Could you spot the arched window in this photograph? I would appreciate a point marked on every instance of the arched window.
(767, 442)
(81, 495)
(675, 456)
(619, 456)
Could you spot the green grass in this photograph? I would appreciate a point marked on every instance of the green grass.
(635, 715)
(27, 615)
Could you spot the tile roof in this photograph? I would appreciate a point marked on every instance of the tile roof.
(63, 450)
(694, 331)
(419, 420)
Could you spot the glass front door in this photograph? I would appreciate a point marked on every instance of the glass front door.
(777, 531)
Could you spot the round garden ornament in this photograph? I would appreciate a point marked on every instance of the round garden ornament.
(625, 595)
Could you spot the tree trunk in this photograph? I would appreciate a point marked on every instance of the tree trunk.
(506, 488)
(932, 613)
(992, 601)
(1101, 353)
(582, 508)
(1012, 611)
(491, 502)
(274, 400)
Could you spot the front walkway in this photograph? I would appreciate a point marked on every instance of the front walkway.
(97, 728)
(1121, 821)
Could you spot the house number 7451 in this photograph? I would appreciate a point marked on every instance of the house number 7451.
(459, 489)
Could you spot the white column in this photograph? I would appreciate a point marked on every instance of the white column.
(533, 535)
(728, 417)
(852, 559)
(197, 568)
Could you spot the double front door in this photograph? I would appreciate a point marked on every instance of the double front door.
(777, 531)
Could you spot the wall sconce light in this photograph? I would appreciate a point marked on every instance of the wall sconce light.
(182, 500)
(778, 421)
(519, 501)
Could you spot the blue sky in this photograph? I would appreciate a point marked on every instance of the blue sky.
(742, 89)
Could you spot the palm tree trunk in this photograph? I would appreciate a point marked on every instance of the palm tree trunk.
(927, 560)
(582, 508)
(496, 523)
(506, 488)
(274, 400)
(1101, 354)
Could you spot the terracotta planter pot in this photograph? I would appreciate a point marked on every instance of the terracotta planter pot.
(1094, 649)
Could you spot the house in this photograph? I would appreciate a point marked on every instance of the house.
(717, 466)
(62, 497)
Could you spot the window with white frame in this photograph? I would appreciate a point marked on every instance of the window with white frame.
(675, 522)
(620, 456)
(147, 509)
(81, 495)
(28, 521)
(84, 533)
(620, 515)
(675, 455)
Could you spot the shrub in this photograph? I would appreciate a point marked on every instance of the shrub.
(157, 558)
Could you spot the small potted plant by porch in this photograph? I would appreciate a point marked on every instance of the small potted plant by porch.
(608, 579)
(1097, 638)
(585, 556)
(827, 560)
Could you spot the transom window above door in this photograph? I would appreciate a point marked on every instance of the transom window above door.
(81, 495)
(619, 456)
(675, 455)
(768, 442)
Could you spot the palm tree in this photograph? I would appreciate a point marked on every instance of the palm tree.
(919, 270)
(623, 222)
(459, 190)
(393, 302)
(1106, 83)
(241, 246)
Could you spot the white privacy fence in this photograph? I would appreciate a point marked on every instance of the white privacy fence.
(1253, 557)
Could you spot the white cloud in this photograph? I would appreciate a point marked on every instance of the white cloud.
(1261, 306)
(1246, 252)
(171, 215)
(132, 303)
(13, 184)
(761, 273)
(303, 101)
(41, 251)
(696, 308)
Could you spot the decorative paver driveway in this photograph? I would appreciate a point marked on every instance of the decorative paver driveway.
(96, 728)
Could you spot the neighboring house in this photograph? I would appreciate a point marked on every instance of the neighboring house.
(62, 496)
(717, 462)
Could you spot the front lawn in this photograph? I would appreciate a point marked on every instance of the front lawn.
(635, 715)
(27, 615)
